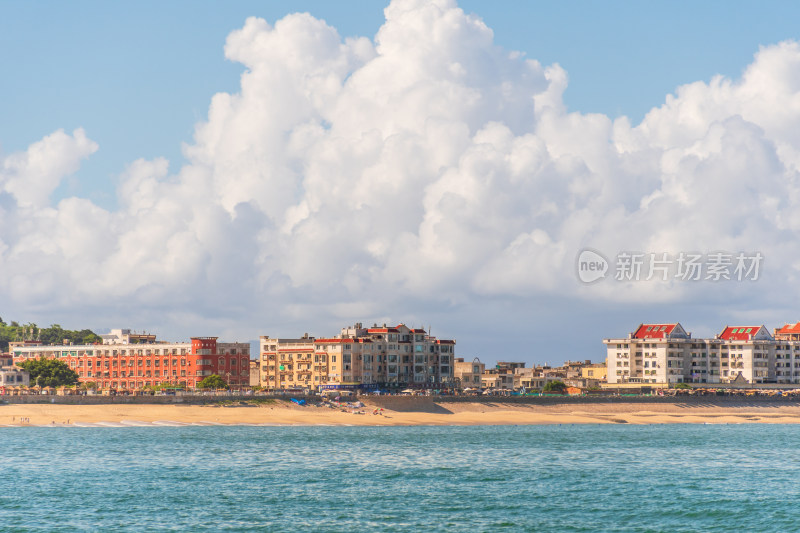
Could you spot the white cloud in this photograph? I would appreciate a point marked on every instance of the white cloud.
(32, 175)
(427, 168)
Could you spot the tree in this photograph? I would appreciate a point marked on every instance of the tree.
(555, 386)
(213, 382)
(49, 372)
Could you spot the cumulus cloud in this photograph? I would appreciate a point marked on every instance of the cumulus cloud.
(31, 176)
(427, 167)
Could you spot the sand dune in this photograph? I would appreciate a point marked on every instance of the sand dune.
(285, 413)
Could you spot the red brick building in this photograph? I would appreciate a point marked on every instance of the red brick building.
(135, 366)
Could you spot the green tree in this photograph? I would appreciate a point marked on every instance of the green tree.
(89, 385)
(555, 386)
(213, 382)
(50, 372)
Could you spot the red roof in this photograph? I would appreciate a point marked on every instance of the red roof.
(654, 331)
(739, 333)
(790, 328)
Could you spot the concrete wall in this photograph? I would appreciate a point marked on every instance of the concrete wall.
(428, 403)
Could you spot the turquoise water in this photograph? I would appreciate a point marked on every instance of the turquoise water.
(531, 478)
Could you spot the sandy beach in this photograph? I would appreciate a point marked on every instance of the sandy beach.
(280, 412)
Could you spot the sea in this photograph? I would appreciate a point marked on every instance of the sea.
(619, 477)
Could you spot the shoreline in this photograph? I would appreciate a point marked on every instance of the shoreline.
(431, 413)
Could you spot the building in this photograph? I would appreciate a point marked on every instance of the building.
(10, 375)
(467, 374)
(654, 353)
(789, 332)
(530, 378)
(666, 353)
(135, 366)
(255, 373)
(501, 376)
(358, 357)
(751, 354)
(596, 371)
(288, 363)
(124, 336)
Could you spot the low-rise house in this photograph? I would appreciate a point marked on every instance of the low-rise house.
(11, 375)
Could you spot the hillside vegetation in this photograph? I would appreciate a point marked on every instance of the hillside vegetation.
(54, 334)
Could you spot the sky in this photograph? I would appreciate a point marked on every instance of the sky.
(274, 168)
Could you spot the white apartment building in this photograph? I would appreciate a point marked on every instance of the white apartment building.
(124, 336)
(666, 353)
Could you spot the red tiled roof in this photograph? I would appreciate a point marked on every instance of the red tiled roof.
(654, 331)
(739, 333)
(790, 328)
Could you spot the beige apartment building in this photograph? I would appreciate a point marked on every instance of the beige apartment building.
(468, 374)
(530, 378)
(501, 376)
(666, 353)
(358, 357)
(596, 371)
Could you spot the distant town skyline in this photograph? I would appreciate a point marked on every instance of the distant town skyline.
(243, 170)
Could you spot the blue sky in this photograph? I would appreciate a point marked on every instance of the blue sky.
(138, 78)
(138, 75)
